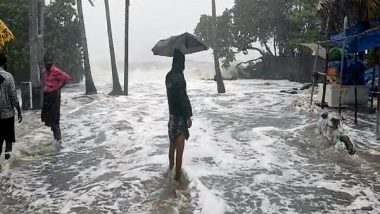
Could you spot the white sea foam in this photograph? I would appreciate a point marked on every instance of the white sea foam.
(248, 152)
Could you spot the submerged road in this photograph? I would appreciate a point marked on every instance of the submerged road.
(251, 150)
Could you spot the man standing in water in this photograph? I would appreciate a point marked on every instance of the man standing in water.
(8, 103)
(180, 111)
(54, 80)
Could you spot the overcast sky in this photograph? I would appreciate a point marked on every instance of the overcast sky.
(150, 21)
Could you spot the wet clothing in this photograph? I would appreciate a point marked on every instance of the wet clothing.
(177, 126)
(55, 128)
(51, 107)
(8, 103)
(8, 149)
(7, 134)
(50, 113)
(7, 127)
(179, 104)
(54, 79)
(8, 95)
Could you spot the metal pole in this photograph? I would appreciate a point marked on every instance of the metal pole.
(378, 99)
(218, 74)
(372, 86)
(314, 75)
(356, 93)
(126, 48)
(342, 64)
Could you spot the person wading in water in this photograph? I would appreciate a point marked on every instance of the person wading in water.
(8, 103)
(54, 80)
(180, 111)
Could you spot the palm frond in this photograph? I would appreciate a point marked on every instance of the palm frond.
(333, 11)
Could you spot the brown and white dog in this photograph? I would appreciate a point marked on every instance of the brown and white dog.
(329, 125)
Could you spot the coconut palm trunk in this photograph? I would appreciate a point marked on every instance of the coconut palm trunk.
(126, 50)
(218, 74)
(89, 82)
(116, 88)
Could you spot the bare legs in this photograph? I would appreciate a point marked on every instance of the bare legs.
(8, 149)
(171, 155)
(176, 149)
(56, 131)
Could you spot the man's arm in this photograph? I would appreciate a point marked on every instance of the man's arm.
(65, 78)
(184, 101)
(13, 98)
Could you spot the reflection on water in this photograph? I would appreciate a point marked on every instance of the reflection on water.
(250, 151)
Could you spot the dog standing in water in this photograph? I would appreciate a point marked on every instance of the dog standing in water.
(329, 125)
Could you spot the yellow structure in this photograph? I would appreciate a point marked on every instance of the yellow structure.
(6, 35)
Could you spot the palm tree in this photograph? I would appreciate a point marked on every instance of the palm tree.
(333, 12)
(90, 86)
(116, 88)
(218, 74)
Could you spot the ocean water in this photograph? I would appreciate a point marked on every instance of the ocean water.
(251, 150)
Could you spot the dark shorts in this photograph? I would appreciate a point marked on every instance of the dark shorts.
(177, 127)
(7, 130)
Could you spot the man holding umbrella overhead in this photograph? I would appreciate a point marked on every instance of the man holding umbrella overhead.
(179, 109)
(179, 104)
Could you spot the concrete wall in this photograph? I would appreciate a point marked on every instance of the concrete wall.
(298, 69)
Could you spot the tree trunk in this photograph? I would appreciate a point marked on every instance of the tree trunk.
(90, 86)
(116, 88)
(268, 49)
(218, 74)
(126, 48)
(274, 46)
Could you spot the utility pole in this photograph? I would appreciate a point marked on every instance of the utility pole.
(36, 34)
(126, 48)
(218, 74)
(33, 40)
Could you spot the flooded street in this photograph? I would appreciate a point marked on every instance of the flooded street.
(251, 150)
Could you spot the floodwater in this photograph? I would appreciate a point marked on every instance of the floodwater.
(251, 150)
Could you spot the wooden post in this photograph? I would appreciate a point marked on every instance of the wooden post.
(314, 75)
(218, 74)
(126, 48)
(325, 79)
(342, 64)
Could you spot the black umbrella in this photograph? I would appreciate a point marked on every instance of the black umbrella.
(186, 43)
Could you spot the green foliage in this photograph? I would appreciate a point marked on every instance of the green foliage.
(62, 32)
(61, 36)
(286, 23)
(332, 12)
(224, 38)
(15, 16)
(335, 54)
